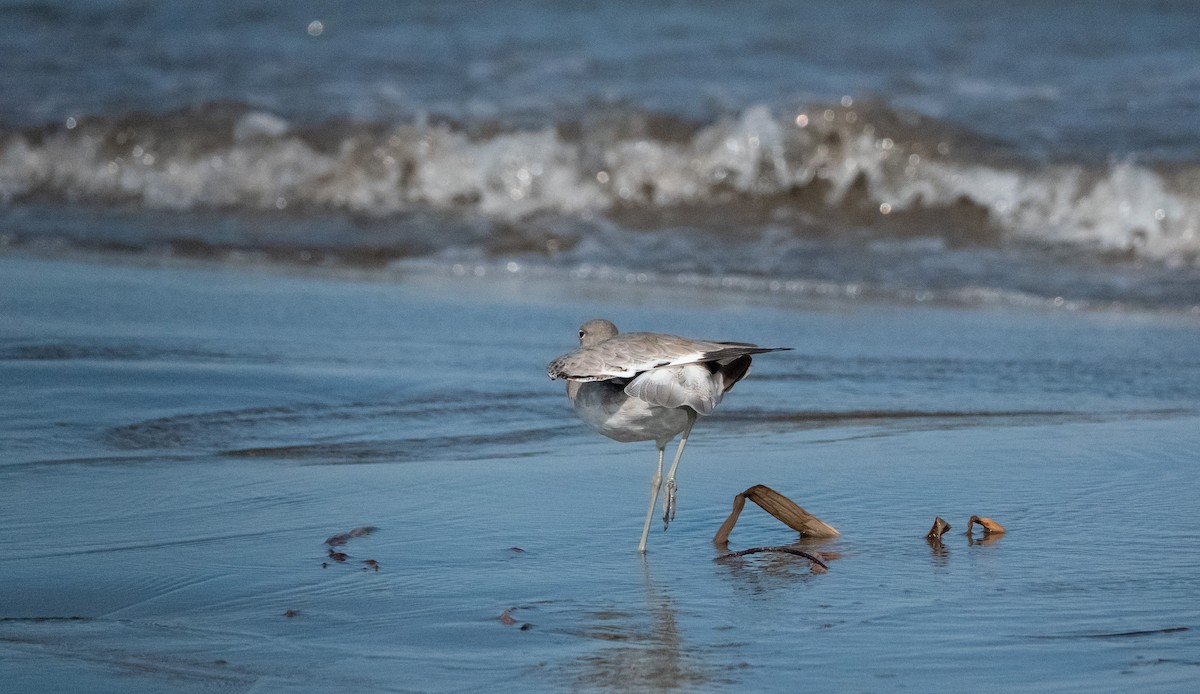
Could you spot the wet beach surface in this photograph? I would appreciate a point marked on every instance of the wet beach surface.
(279, 284)
(180, 441)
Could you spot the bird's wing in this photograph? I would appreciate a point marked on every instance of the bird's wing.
(629, 354)
(694, 385)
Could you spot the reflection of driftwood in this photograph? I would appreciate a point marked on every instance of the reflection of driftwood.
(990, 527)
(940, 527)
(787, 550)
(779, 506)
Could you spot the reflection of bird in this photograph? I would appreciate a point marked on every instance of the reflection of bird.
(649, 387)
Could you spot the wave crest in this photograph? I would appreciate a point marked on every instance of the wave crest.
(819, 170)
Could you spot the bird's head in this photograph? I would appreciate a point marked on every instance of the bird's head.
(596, 330)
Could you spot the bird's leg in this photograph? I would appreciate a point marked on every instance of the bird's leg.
(655, 483)
(669, 502)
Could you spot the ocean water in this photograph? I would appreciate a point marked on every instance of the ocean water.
(1025, 153)
(274, 271)
(171, 473)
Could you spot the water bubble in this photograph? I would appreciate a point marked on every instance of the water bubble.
(943, 148)
(802, 120)
(885, 208)
(847, 101)
(316, 28)
(1160, 214)
(851, 117)
(71, 123)
(828, 115)
(602, 177)
(512, 266)
(280, 202)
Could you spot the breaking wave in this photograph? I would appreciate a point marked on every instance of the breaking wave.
(826, 170)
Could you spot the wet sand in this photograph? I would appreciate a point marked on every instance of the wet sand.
(179, 443)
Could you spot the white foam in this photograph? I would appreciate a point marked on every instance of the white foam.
(264, 164)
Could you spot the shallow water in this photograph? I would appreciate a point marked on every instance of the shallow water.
(180, 441)
(270, 272)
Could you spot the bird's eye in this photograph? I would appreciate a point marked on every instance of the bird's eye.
(581, 334)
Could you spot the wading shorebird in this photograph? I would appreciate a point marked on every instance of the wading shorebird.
(649, 387)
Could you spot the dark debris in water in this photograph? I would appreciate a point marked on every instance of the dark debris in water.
(1119, 634)
(781, 508)
(39, 620)
(990, 527)
(940, 527)
(343, 538)
(507, 619)
(789, 513)
(817, 562)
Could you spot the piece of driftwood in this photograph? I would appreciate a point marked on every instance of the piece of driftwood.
(787, 550)
(779, 506)
(990, 527)
(940, 527)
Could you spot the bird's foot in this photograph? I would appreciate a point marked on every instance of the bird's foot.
(669, 504)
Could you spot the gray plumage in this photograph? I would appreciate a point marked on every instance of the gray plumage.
(649, 386)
